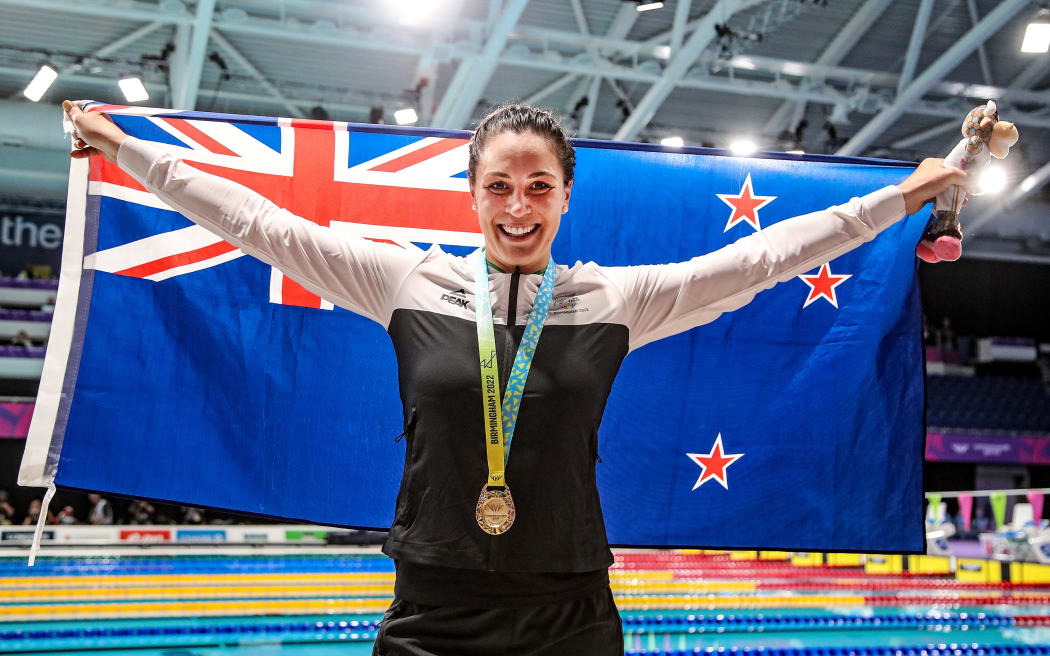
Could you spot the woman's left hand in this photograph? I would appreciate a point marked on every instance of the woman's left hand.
(927, 181)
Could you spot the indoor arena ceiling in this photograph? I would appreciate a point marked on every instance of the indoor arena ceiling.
(855, 77)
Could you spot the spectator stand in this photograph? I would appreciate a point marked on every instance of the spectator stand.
(26, 307)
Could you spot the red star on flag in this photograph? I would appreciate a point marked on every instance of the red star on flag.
(823, 284)
(713, 465)
(745, 205)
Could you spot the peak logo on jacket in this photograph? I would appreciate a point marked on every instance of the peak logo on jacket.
(457, 298)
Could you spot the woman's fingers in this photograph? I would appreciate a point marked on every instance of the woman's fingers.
(928, 180)
(86, 152)
(93, 134)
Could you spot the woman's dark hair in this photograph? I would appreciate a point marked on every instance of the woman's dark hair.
(520, 119)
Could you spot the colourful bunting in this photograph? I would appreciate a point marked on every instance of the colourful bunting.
(965, 509)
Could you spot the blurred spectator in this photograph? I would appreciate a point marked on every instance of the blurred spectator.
(49, 306)
(7, 511)
(981, 522)
(140, 512)
(191, 515)
(26, 272)
(946, 336)
(33, 514)
(101, 512)
(21, 339)
(163, 514)
(66, 516)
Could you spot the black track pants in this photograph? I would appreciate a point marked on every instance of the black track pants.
(588, 625)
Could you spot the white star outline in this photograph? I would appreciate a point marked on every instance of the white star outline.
(824, 269)
(766, 200)
(695, 457)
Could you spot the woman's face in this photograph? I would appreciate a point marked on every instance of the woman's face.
(520, 192)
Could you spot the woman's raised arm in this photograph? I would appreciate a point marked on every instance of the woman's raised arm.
(670, 298)
(354, 273)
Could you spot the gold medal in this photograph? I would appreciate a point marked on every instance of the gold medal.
(495, 510)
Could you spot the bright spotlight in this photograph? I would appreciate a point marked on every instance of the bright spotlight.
(406, 116)
(649, 6)
(743, 147)
(1037, 36)
(133, 89)
(415, 12)
(672, 142)
(662, 52)
(40, 83)
(993, 180)
(796, 152)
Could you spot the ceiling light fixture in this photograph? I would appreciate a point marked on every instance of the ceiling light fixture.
(406, 116)
(672, 142)
(1037, 35)
(742, 147)
(649, 6)
(40, 83)
(993, 180)
(134, 90)
(415, 12)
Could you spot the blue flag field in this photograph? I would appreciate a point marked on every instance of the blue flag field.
(180, 369)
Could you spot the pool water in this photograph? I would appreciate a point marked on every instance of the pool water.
(321, 601)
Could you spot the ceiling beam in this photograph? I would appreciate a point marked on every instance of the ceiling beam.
(988, 26)
(1031, 74)
(1012, 199)
(982, 55)
(788, 113)
(678, 66)
(857, 27)
(276, 30)
(926, 134)
(242, 61)
(178, 60)
(619, 28)
(184, 94)
(1028, 186)
(131, 37)
(918, 35)
(453, 92)
(113, 47)
(587, 122)
(621, 25)
(581, 19)
(1024, 80)
(455, 112)
(620, 94)
(681, 17)
(495, 11)
(135, 11)
(548, 89)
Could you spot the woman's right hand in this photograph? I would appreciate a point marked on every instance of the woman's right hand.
(93, 134)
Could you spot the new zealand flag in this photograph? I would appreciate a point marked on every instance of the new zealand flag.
(180, 369)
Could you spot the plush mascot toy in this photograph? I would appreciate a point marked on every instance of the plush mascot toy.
(983, 135)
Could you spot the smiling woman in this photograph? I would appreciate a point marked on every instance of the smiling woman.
(520, 172)
(501, 572)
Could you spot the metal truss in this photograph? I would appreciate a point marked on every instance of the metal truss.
(944, 64)
(576, 55)
(790, 113)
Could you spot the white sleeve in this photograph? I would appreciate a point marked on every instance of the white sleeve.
(360, 275)
(666, 299)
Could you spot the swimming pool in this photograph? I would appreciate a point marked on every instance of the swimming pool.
(319, 600)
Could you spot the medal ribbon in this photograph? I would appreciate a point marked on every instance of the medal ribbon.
(500, 418)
